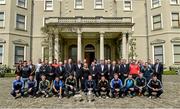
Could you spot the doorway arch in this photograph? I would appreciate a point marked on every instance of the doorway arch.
(89, 54)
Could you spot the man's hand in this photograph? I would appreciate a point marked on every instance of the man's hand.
(102, 88)
(17, 91)
(30, 90)
(71, 87)
(132, 89)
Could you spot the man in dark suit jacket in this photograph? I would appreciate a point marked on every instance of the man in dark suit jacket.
(69, 68)
(109, 69)
(114, 69)
(124, 69)
(102, 69)
(94, 72)
(158, 69)
(78, 73)
(60, 71)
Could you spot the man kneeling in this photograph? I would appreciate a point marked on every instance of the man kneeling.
(141, 84)
(44, 87)
(57, 87)
(32, 86)
(17, 87)
(103, 87)
(70, 85)
(116, 86)
(154, 85)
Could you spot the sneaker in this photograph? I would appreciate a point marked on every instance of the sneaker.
(47, 96)
(60, 97)
(107, 97)
(150, 97)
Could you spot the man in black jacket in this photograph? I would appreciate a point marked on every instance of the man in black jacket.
(94, 72)
(102, 69)
(124, 69)
(155, 85)
(114, 69)
(158, 69)
(69, 68)
(25, 73)
(78, 73)
(60, 71)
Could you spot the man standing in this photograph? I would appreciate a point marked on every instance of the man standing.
(78, 74)
(158, 69)
(69, 68)
(102, 69)
(25, 73)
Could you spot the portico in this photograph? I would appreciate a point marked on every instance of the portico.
(86, 38)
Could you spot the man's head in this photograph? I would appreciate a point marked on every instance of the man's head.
(71, 76)
(65, 61)
(85, 65)
(55, 61)
(157, 61)
(130, 76)
(43, 77)
(25, 63)
(46, 61)
(69, 61)
(60, 63)
(109, 61)
(103, 78)
(79, 62)
(20, 62)
(102, 62)
(154, 77)
(141, 75)
(57, 78)
(29, 62)
(114, 63)
(18, 77)
(115, 76)
(93, 64)
(39, 60)
(89, 77)
(31, 77)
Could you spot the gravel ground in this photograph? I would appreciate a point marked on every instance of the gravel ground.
(169, 99)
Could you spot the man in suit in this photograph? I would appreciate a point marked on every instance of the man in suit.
(78, 73)
(124, 69)
(114, 69)
(109, 69)
(94, 72)
(102, 69)
(60, 71)
(69, 68)
(158, 69)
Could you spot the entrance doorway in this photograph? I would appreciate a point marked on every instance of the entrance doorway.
(89, 53)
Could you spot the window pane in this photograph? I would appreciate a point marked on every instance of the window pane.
(158, 50)
(1, 23)
(46, 53)
(157, 25)
(156, 18)
(175, 16)
(20, 22)
(78, 3)
(107, 52)
(22, 3)
(1, 50)
(177, 49)
(1, 16)
(99, 3)
(49, 5)
(19, 54)
(2, 1)
(174, 1)
(73, 53)
(18, 58)
(177, 58)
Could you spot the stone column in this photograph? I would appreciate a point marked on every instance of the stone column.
(79, 56)
(57, 47)
(128, 41)
(124, 49)
(101, 45)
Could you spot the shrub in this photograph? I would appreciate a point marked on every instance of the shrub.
(3, 70)
(168, 72)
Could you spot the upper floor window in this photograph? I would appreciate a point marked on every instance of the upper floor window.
(2, 1)
(78, 4)
(22, 3)
(99, 4)
(156, 3)
(2, 19)
(174, 1)
(157, 23)
(48, 5)
(128, 5)
(175, 20)
(20, 22)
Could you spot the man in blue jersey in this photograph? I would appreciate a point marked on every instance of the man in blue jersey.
(32, 86)
(17, 87)
(57, 87)
(116, 86)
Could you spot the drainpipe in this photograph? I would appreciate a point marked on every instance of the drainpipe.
(147, 28)
(31, 30)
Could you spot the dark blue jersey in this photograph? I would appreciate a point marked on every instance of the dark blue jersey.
(32, 83)
(17, 85)
(116, 84)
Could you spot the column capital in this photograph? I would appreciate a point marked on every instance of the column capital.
(101, 32)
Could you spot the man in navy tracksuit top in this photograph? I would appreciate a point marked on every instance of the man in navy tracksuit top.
(58, 87)
(116, 85)
(17, 87)
(32, 86)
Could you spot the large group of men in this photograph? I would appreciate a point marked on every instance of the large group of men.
(119, 78)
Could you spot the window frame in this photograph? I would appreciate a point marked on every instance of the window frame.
(3, 51)
(130, 5)
(152, 5)
(175, 20)
(174, 3)
(161, 22)
(17, 45)
(45, 6)
(3, 2)
(163, 52)
(95, 5)
(3, 26)
(173, 51)
(25, 4)
(25, 22)
(82, 6)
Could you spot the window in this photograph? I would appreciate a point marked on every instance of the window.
(2, 19)
(1, 54)
(45, 53)
(174, 1)
(22, 3)
(19, 53)
(175, 20)
(127, 5)
(73, 52)
(2, 1)
(158, 53)
(20, 22)
(78, 4)
(157, 23)
(107, 52)
(176, 53)
(99, 4)
(48, 5)
(155, 3)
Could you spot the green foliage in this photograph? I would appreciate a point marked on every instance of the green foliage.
(132, 52)
(168, 72)
(3, 70)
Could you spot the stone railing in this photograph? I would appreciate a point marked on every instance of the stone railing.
(88, 20)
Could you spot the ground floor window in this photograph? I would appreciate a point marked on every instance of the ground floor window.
(45, 53)
(176, 53)
(73, 52)
(158, 53)
(1, 54)
(19, 53)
